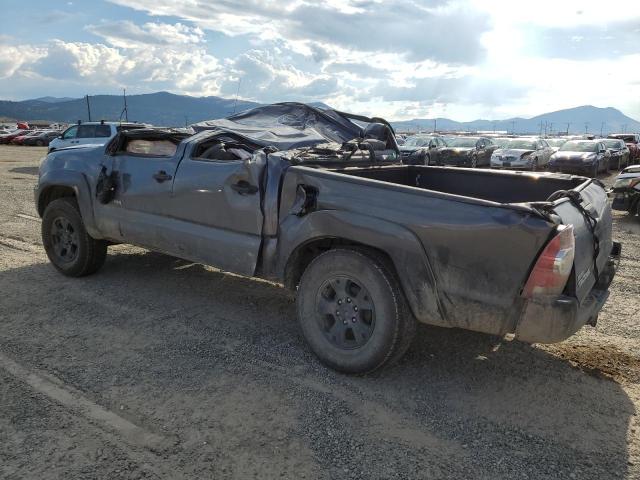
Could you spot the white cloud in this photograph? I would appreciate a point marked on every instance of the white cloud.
(126, 34)
(396, 58)
(12, 58)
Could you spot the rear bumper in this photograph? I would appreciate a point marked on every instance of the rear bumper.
(556, 318)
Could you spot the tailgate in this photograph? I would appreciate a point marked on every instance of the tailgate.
(590, 215)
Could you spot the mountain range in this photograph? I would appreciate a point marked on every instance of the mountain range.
(167, 109)
(583, 119)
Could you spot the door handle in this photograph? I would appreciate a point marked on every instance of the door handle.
(244, 188)
(161, 176)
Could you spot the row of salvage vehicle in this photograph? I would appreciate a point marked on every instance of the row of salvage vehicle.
(29, 137)
(562, 154)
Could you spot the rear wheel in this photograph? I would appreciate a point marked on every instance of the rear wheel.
(39, 143)
(71, 250)
(352, 311)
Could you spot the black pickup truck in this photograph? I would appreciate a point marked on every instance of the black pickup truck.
(317, 201)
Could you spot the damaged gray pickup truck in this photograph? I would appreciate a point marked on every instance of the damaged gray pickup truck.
(317, 200)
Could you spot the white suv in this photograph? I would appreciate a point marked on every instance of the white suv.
(90, 133)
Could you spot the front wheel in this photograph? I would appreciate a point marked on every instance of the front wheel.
(71, 250)
(427, 160)
(474, 162)
(352, 311)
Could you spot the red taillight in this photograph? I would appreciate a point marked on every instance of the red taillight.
(553, 267)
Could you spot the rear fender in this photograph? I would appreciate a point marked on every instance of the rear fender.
(400, 244)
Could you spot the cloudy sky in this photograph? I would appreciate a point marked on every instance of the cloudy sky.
(464, 59)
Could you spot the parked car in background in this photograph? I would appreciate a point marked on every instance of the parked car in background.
(21, 138)
(42, 139)
(523, 153)
(422, 149)
(467, 152)
(556, 143)
(6, 138)
(90, 133)
(632, 140)
(619, 153)
(626, 191)
(581, 156)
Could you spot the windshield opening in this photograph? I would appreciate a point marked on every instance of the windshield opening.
(463, 142)
(578, 147)
(519, 144)
(416, 142)
(613, 143)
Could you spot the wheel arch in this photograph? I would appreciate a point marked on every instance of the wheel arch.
(59, 184)
(303, 238)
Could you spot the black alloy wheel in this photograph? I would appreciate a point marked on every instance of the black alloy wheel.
(65, 241)
(347, 315)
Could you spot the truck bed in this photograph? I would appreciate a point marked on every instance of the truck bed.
(491, 185)
(480, 232)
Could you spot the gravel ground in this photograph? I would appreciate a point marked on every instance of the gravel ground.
(159, 368)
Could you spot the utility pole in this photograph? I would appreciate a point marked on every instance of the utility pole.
(186, 121)
(513, 127)
(601, 128)
(88, 106)
(126, 112)
(235, 103)
(586, 127)
(568, 124)
(541, 124)
(494, 126)
(550, 128)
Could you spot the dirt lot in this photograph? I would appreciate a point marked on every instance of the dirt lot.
(159, 368)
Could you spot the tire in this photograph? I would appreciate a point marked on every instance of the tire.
(474, 161)
(535, 166)
(71, 250)
(39, 143)
(427, 160)
(352, 311)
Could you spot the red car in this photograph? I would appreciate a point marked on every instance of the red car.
(7, 137)
(20, 138)
(632, 140)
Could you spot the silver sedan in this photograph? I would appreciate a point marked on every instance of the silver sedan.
(523, 153)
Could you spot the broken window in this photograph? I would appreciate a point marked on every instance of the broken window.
(152, 148)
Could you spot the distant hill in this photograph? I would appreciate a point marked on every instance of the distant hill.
(55, 99)
(161, 108)
(609, 119)
(167, 109)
